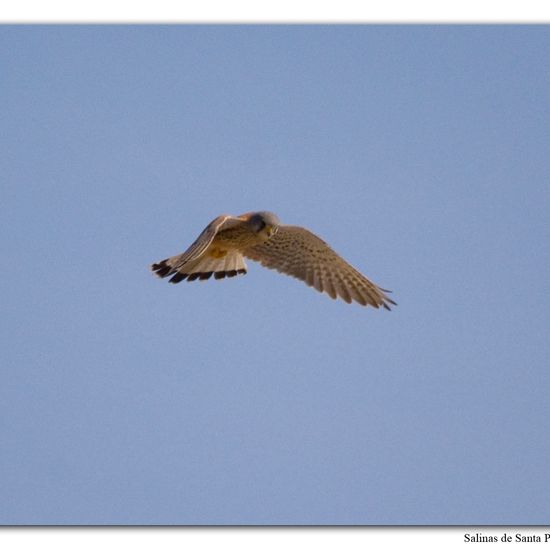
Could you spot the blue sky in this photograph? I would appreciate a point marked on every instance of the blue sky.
(420, 153)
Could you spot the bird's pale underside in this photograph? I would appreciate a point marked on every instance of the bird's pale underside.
(220, 250)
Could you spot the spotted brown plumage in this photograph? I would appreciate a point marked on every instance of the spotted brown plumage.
(220, 250)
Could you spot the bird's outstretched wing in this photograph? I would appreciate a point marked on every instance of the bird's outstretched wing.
(297, 252)
(188, 265)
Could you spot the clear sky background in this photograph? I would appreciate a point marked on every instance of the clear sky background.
(421, 154)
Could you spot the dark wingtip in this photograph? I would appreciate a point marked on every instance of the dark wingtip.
(178, 277)
(386, 299)
(230, 273)
(162, 269)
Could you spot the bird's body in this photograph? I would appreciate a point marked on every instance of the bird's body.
(221, 248)
(237, 237)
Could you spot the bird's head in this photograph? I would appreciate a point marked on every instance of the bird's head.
(264, 223)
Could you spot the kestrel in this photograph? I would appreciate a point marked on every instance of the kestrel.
(221, 248)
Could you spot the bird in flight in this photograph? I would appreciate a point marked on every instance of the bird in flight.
(221, 248)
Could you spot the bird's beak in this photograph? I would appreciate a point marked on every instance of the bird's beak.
(271, 230)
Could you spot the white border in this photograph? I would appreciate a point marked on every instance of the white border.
(281, 11)
(264, 538)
